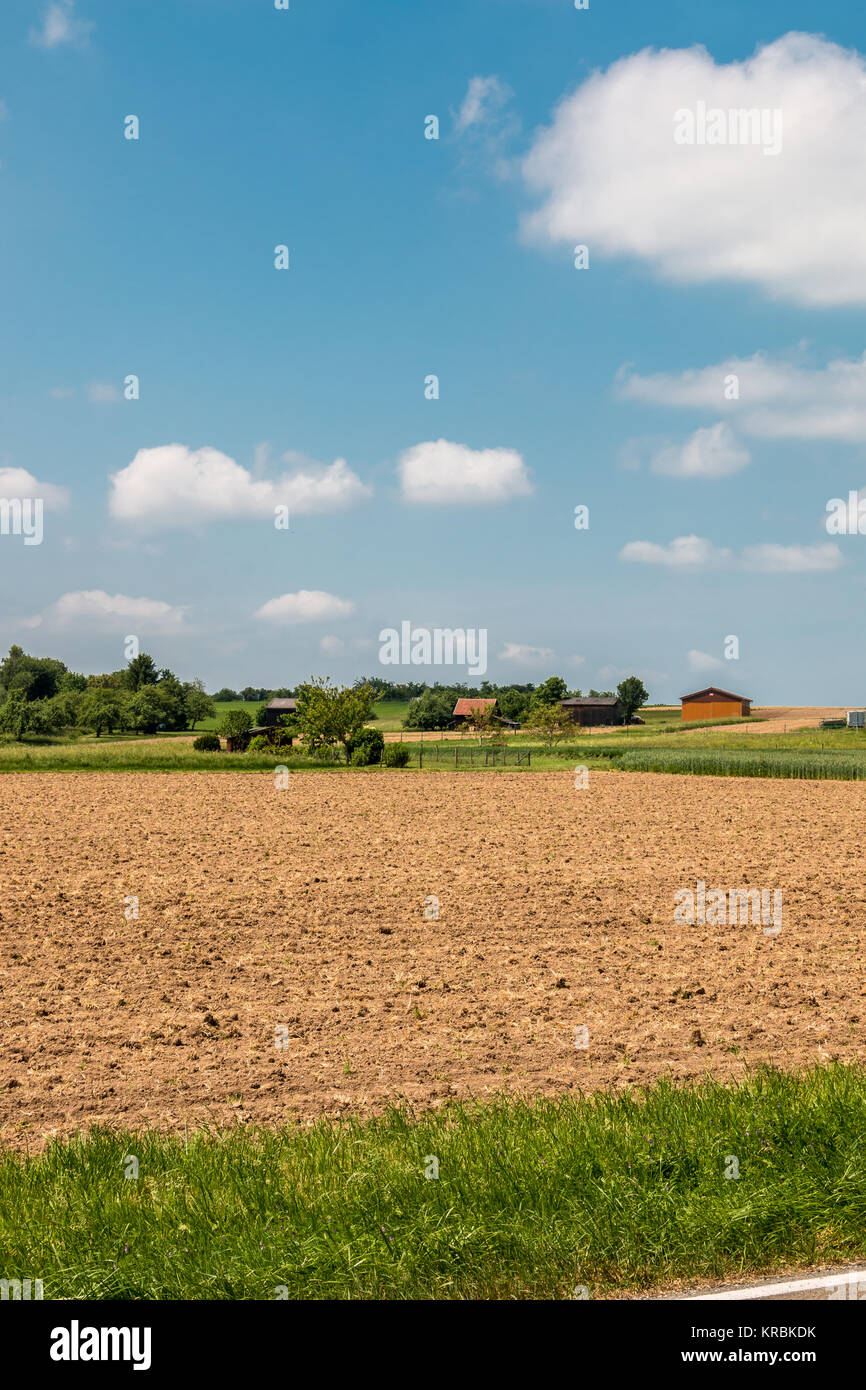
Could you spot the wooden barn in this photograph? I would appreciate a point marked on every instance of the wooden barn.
(275, 710)
(592, 709)
(713, 703)
(466, 707)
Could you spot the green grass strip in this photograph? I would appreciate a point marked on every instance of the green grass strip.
(532, 1200)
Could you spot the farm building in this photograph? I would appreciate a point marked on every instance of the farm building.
(275, 710)
(713, 703)
(592, 709)
(466, 707)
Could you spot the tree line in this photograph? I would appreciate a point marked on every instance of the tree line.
(40, 696)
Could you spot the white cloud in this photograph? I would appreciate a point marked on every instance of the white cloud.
(96, 608)
(102, 392)
(702, 661)
(685, 552)
(694, 552)
(184, 487)
(610, 174)
(777, 400)
(306, 606)
(792, 559)
(17, 482)
(714, 452)
(485, 97)
(441, 472)
(332, 646)
(523, 655)
(60, 25)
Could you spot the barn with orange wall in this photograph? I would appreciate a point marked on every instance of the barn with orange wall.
(713, 703)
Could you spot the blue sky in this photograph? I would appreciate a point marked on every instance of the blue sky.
(409, 257)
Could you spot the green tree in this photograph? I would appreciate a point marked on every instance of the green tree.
(13, 715)
(101, 709)
(550, 723)
(146, 710)
(328, 715)
(141, 671)
(631, 694)
(550, 692)
(37, 677)
(433, 709)
(236, 725)
(198, 704)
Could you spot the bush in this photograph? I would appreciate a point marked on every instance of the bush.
(367, 748)
(395, 755)
(257, 743)
(206, 743)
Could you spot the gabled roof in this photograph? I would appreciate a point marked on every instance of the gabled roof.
(471, 706)
(714, 690)
(279, 702)
(579, 701)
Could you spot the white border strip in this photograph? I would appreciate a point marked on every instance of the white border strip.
(789, 1286)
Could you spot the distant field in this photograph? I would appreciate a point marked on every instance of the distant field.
(390, 715)
(222, 709)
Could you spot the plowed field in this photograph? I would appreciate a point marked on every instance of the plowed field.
(281, 965)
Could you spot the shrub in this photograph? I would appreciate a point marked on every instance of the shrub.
(395, 755)
(257, 743)
(206, 743)
(367, 748)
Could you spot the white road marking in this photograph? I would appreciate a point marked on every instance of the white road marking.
(791, 1288)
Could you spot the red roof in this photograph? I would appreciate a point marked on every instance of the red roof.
(471, 706)
(712, 692)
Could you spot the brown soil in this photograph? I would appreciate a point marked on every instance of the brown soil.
(304, 909)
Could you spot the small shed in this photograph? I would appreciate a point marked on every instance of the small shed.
(592, 709)
(713, 703)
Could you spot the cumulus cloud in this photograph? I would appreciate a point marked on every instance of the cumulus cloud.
(685, 552)
(609, 172)
(17, 482)
(177, 486)
(441, 472)
(306, 606)
(714, 452)
(792, 559)
(776, 399)
(696, 553)
(96, 608)
(523, 655)
(702, 661)
(60, 25)
(332, 646)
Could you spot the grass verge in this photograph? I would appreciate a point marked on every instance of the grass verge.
(532, 1200)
